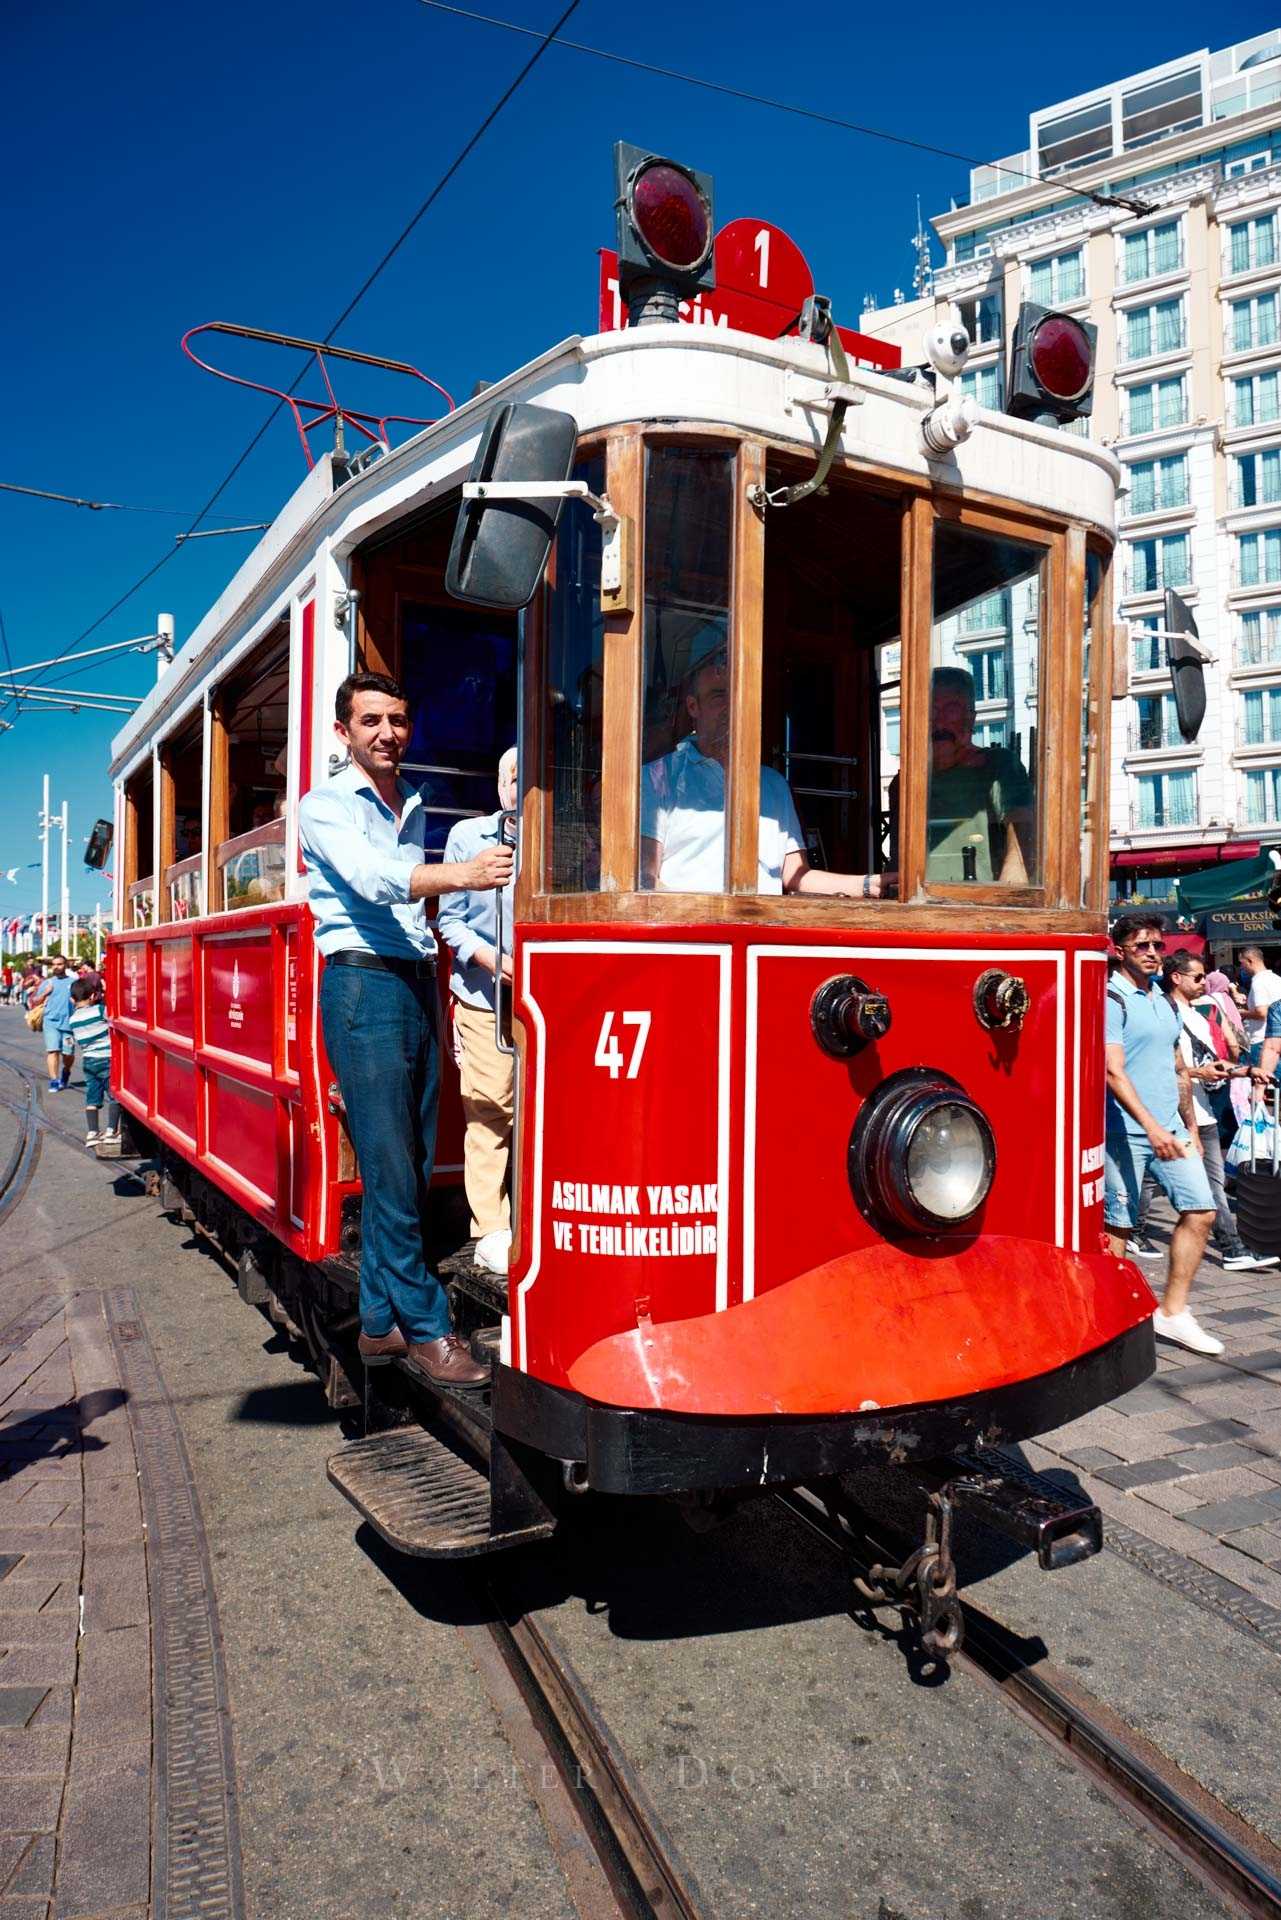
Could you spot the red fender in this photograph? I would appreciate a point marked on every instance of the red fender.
(885, 1326)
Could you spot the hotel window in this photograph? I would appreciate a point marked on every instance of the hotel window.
(992, 733)
(1157, 486)
(1155, 250)
(1149, 648)
(1166, 799)
(1261, 715)
(1155, 329)
(1263, 796)
(981, 319)
(891, 716)
(1255, 399)
(1156, 564)
(1156, 723)
(983, 384)
(1074, 139)
(1252, 243)
(1160, 108)
(1252, 323)
(1259, 637)
(990, 669)
(1258, 558)
(987, 615)
(1256, 478)
(1156, 405)
(1053, 282)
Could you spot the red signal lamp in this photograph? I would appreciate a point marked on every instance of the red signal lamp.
(665, 233)
(1051, 367)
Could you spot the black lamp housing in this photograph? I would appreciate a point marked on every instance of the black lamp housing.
(1028, 397)
(651, 286)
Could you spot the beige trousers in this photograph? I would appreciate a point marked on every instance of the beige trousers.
(486, 1076)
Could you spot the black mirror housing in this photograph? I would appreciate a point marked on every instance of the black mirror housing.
(98, 845)
(1187, 665)
(500, 547)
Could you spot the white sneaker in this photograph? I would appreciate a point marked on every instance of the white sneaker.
(110, 1133)
(492, 1249)
(1184, 1331)
(92, 1138)
(1245, 1261)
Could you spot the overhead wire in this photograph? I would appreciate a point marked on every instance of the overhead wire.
(765, 100)
(545, 41)
(96, 506)
(8, 661)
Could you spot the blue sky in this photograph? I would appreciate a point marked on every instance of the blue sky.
(251, 163)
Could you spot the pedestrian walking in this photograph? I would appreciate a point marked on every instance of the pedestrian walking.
(469, 923)
(92, 1035)
(363, 836)
(1210, 1075)
(54, 995)
(1264, 987)
(1151, 1122)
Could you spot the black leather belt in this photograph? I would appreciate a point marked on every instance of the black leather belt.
(424, 969)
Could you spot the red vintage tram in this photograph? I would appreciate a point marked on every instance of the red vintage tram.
(805, 1180)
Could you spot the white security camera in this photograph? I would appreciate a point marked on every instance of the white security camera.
(947, 349)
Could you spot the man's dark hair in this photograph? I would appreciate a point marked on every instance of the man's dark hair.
(954, 680)
(1181, 961)
(364, 683)
(83, 990)
(1250, 953)
(1131, 923)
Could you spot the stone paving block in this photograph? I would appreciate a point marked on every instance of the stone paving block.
(57, 1561)
(1222, 1517)
(1230, 1483)
(1261, 1543)
(18, 1629)
(34, 1751)
(105, 1839)
(22, 1596)
(17, 1704)
(113, 1695)
(1172, 1496)
(1148, 1398)
(56, 1711)
(1214, 1459)
(1140, 1473)
(1240, 1568)
(23, 1908)
(31, 1801)
(1242, 1401)
(1233, 1316)
(12, 1848)
(1092, 1458)
(1205, 1432)
(35, 1875)
(38, 1666)
(115, 1587)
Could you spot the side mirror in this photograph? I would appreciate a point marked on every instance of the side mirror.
(1187, 664)
(98, 845)
(500, 545)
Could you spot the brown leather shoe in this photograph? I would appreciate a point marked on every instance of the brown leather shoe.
(379, 1350)
(447, 1362)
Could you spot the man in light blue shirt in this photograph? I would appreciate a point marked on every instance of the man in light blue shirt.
(363, 840)
(469, 923)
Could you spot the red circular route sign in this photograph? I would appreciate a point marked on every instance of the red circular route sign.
(755, 258)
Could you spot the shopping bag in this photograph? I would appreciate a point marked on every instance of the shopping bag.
(34, 1017)
(1254, 1141)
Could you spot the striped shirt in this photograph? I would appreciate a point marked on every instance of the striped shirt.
(90, 1030)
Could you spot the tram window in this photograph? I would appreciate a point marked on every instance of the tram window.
(1092, 710)
(830, 697)
(458, 669)
(182, 760)
(685, 717)
(575, 681)
(981, 813)
(139, 850)
(253, 715)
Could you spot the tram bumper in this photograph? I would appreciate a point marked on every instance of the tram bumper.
(890, 1354)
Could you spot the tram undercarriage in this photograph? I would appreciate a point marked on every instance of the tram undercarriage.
(443, 1473)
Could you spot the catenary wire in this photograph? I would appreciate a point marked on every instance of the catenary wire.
(545, 41)
(15, 700)
(97, 506)
(764, 100)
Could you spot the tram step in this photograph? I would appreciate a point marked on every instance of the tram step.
(424, 1498)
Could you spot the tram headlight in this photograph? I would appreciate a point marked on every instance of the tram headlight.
(921, 1154)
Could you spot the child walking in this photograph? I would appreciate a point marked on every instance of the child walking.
(89, 1028)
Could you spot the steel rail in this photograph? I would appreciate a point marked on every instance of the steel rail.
(18, 1171)
(39, 1119)
(1183, 1816)
(646, 1880)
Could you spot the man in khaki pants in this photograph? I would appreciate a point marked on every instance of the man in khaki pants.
(469, 923)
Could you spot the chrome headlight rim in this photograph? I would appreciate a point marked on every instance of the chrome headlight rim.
(880, 1143)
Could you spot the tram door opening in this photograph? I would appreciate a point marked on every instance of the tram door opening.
(830, 668)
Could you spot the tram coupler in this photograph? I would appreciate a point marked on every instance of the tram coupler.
(1060, 1531)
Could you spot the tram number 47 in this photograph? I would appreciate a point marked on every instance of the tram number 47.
(609, 1054)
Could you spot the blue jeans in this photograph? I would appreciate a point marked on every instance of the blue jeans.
(97, 1089)
(381, 1037)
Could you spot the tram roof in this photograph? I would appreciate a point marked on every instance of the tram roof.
(670, 376)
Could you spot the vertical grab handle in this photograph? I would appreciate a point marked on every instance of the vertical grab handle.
(507, 837)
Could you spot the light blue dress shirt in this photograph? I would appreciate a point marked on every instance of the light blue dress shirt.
(359, 860)
(470, 920)
(683, 809)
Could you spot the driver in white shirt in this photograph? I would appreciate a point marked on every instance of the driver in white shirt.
(683, 811)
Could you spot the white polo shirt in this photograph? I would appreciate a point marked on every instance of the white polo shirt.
(683, 808)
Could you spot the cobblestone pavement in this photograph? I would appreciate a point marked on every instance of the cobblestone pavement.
(1192, 1458)
(75, 1652)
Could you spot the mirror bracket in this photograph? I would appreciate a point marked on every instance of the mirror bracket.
(615, 557)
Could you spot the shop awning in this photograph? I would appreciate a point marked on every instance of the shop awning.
(1196, 857)
(1216, 886)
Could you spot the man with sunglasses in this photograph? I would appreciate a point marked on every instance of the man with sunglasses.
(1151, 1123)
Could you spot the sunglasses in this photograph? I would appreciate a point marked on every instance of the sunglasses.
(1145, 946)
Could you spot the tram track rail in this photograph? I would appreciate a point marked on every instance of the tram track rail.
(1186, 1819)
(619, 1862)
(17, 1173)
